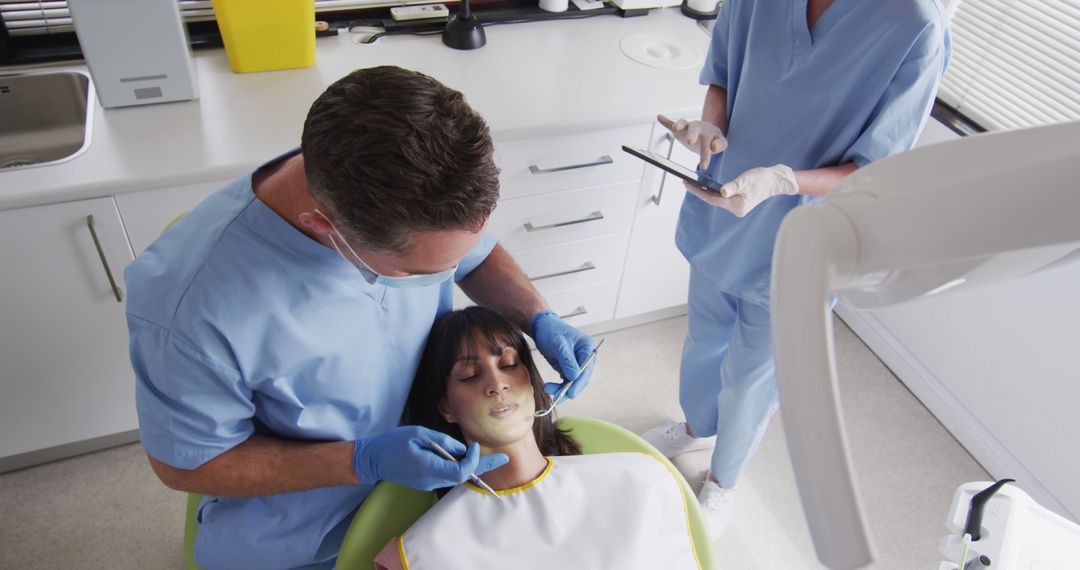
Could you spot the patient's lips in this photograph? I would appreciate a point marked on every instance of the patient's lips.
(504, 409)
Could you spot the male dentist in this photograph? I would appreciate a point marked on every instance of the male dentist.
(276, 328)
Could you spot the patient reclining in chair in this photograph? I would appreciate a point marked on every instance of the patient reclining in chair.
(477, 382)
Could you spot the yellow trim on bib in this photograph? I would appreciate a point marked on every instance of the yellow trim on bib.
(686, 508)
(401, 552)
(539, 478)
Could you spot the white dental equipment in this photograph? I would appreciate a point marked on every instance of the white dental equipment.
(566, 384)
(1016, 532)
(472, 476)
(981, 209)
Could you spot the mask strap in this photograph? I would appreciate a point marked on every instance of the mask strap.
(333, 242)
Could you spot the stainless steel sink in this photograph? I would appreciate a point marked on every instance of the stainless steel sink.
(44, 118)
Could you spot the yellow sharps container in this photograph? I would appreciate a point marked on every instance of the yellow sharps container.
(262, 35)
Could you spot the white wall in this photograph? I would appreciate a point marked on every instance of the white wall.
(1000, 368)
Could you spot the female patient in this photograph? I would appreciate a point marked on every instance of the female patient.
(477, 382)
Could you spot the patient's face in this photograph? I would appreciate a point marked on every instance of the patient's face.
(490, 396)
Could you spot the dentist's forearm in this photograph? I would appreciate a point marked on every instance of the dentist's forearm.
(265, 466)
(819, 181)
(715, 108)
(500, 284)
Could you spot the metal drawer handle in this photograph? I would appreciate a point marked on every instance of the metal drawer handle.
(581, 310)
(663, 177)
(587, 266)
(590, 218)
(104, 262)
(605, 159)
(656, 198)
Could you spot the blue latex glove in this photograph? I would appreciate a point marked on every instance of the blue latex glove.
(565, 348)
(404, 456)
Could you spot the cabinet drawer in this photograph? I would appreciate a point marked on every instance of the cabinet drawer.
(577, 305)
(549, 219)
(563, 162)
(585, 305)
(574, 264)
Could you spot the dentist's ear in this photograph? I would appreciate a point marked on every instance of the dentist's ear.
(315, 221)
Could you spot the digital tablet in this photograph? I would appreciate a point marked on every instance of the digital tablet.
(675, 168)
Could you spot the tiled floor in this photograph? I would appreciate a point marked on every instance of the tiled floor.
(106, 510)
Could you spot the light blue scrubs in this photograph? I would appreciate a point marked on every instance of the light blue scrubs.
(241, 324)
(856, 88)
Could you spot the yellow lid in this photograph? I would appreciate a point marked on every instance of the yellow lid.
(263, 35)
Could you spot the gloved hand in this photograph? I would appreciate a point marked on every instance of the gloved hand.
(749, 189)
(565, 348)
(404, 456)
(703, 138)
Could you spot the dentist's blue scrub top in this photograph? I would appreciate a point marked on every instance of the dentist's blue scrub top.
(241, 324)
(856, 88)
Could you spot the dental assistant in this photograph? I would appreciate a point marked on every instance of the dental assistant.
(800, 94)
(276, 328)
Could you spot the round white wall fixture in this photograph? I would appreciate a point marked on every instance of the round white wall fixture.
(661, 51)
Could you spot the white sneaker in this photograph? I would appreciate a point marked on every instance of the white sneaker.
(672, 440)
(717, 504)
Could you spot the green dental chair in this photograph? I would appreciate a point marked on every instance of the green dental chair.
(392, 508)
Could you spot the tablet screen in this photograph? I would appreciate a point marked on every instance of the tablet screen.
(702, 179)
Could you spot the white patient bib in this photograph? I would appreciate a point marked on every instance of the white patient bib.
(618, 511)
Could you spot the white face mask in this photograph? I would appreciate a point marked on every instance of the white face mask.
(375, 278)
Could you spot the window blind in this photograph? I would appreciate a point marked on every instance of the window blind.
(25, 17)
(1015, 63)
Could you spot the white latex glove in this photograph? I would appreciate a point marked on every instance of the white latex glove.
(749, 189)
(703, 138)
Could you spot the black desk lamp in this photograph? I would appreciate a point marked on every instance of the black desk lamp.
(463, 30)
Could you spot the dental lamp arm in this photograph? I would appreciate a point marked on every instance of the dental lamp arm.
(896, 230)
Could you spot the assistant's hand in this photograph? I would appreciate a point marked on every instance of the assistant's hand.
(565, 348)
(749, 189)
(703, 138)
(404, 456)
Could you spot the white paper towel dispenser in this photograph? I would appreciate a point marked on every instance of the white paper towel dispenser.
(137, 50)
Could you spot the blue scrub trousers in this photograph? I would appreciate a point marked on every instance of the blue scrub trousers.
(727, 383)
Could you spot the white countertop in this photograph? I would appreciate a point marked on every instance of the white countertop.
(530, 79)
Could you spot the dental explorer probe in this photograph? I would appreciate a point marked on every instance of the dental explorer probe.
(566, 385)
(472, 476)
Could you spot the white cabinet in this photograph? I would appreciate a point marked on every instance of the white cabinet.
(585, 305)
(575, 263)
(66, 384)
(566, 212)
(592, 226)
(65, 377)
(540, 165)
(656, 275)
(560, 217)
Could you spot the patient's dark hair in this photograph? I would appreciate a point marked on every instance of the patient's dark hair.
(467, 327)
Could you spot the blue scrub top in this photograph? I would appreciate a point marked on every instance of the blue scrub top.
(856, 88)
(239, 323)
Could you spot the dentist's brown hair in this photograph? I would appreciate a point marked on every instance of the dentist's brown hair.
(389, 152)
